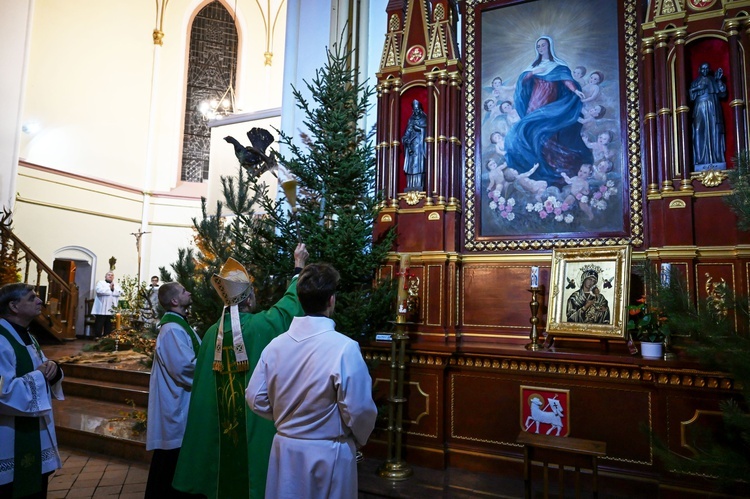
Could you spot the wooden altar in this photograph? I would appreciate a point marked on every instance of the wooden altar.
(468, 373)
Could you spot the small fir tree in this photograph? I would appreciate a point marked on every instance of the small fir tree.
(739, 200)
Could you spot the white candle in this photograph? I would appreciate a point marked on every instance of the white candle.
(534, 277)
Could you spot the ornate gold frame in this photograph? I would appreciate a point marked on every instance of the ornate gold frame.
(634, 224)
(565, 262)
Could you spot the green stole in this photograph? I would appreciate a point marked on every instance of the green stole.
(230, 384)
(178, 319)
(27, 451)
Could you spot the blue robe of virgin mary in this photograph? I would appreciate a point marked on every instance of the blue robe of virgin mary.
(549, 133)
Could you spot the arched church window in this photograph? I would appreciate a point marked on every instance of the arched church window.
(212, 63)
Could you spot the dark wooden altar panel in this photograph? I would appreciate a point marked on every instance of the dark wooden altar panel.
(434, 313)
(689, 417)
(677, 227)
(715, 223)
(495, 296)
(495, 415)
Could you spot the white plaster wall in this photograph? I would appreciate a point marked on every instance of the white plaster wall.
(88, 86)
(14, 28)
(92, 72)
(46, 220)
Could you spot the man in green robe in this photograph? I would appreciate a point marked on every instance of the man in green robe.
(226, 446)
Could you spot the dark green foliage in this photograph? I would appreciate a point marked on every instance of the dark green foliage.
(709, 335)
(739, 200)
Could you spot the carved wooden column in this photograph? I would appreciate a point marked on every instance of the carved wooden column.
(732, 27)
(430, 170)
(442, 138)
(649, 119)
(395, 138)
(663, 122)
(684, 131)
(454, 142)
(381, 147)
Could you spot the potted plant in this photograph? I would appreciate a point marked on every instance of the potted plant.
(650, 327)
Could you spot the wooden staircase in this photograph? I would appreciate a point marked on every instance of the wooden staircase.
(95, 413)
(61, 298)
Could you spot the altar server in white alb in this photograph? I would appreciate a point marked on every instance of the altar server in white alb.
(28, 382)
(169, 389)
(107, 296)
(313, 383)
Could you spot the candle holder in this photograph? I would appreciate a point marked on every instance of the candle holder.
(534, 320)
(395, 467)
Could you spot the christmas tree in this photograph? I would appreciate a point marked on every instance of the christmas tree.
(333, 166)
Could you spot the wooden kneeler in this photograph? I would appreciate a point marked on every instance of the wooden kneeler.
(562, 451)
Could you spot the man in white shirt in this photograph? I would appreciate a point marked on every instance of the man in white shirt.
(28, 382)
(314, 384)
(169, 389)
(107, 296)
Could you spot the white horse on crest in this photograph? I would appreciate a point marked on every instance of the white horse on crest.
(553, 417)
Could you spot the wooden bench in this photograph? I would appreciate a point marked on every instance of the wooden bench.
(562, 451)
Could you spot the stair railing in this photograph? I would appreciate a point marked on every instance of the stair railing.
(58, 315)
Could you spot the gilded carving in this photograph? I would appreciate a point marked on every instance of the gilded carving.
(413, 197)
(665, 376)
(677, 204)
(711, 178)
(716, 297)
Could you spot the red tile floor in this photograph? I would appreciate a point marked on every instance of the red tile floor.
(93, 475)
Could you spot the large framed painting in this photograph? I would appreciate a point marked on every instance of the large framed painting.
(552, 128)
(589, 289)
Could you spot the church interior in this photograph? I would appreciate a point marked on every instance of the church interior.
(536, 159)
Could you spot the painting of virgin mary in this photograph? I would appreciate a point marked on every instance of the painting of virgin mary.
(548, 100)
(553, 161)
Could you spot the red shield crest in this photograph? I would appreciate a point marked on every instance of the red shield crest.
(545, 411)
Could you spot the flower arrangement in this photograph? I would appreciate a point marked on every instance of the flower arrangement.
(646, 323)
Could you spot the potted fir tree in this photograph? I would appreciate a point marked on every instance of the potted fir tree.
(650, 327)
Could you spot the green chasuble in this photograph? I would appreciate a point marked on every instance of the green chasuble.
(27, 449)
(226, 446)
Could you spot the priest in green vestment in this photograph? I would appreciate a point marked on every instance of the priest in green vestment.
(226, 446)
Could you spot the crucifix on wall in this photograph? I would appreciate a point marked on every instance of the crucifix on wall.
(138, 236)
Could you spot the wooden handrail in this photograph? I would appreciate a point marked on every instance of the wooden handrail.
(58, 322)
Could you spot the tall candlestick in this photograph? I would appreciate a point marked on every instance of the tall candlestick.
(534, 277)
(118, 321)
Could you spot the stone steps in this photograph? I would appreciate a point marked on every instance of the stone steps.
(101, 427)
(97, 414)
(107, 385)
